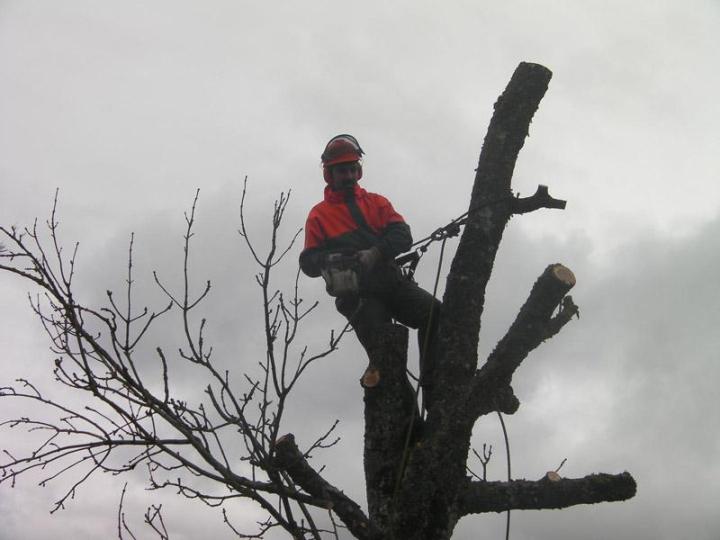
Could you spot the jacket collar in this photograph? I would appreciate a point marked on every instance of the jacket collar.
(337, 197)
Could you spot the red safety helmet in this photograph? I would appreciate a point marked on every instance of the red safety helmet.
(340, 149)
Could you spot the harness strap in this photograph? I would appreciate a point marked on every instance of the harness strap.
(358, 217)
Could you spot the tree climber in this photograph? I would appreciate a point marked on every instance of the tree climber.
(352, 238)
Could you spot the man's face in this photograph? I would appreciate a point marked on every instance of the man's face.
(345, 175)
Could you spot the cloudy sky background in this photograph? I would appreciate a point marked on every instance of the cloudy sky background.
(128, 107)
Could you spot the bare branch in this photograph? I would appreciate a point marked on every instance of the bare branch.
(540, 199)
(481, 497)
(289, 458)
(533, 325)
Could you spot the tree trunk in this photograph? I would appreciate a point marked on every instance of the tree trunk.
(433, 492)
(417, 485)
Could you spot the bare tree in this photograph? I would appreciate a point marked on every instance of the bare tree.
(417, 479)
(99, 354)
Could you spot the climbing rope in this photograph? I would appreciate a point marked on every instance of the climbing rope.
(423, 353)
(409, 261)
(509, 474)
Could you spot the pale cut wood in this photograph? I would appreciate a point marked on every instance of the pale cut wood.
(371, 378)
(564, 275)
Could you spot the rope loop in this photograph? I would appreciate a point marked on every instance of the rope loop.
(438, 234)
(450, 230)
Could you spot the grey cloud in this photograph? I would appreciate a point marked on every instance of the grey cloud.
(628, 386)
(130, 108)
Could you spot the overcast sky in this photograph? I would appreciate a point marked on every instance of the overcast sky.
(130, 106)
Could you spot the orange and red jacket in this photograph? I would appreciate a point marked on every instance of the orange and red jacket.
(351, 221)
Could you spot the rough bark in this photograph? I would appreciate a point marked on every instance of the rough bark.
(534, 324)
(436, 466)
(289, 458)
(391, 416)
(490, 208)
(546, 494)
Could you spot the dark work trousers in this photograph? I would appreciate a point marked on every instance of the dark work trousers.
(403, 300)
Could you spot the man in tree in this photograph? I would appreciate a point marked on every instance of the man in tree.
(352, 238)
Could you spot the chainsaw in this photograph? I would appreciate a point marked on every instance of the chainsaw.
(341, 274)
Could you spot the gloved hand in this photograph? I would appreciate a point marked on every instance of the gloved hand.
(368, 258)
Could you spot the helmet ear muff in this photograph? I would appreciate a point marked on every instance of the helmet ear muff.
(327, 174)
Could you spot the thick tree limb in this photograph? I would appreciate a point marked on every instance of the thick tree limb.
(480, 497)
(437, 463)
(534, 324)
(490, 208)
(390, 416)
(289, 458)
